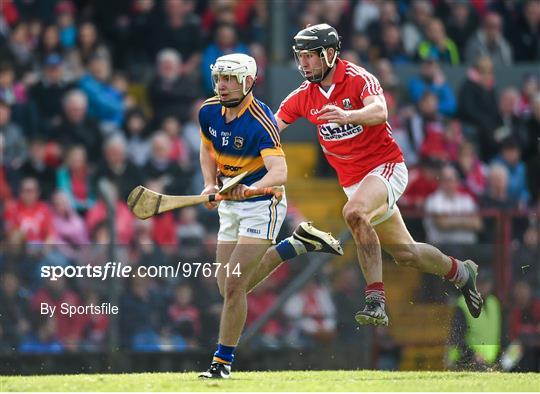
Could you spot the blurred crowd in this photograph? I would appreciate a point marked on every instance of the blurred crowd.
(93, 90)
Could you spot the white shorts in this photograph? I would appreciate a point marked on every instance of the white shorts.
(258, 219)
(395, 176)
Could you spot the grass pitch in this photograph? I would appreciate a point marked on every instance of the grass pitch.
(279, 381)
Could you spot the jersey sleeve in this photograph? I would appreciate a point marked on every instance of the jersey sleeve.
(269, 141)
(291, 107)
(370, 86)
(203, 129)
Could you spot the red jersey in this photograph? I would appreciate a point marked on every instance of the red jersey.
(34, 221)
(353, 150)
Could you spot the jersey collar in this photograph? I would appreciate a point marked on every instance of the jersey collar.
(339, 74)
(242, 110)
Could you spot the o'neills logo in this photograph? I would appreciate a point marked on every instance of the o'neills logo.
(335, 132)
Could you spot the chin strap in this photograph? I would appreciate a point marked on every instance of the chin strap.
(235, 103)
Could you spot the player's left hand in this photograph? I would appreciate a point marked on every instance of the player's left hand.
(238, 193)
(334, 114)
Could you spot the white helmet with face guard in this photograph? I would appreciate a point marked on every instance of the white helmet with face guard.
(236, 65)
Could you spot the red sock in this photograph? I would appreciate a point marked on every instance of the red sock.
(375, 291)
(450, 275)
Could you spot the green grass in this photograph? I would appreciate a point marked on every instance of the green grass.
(279, 381)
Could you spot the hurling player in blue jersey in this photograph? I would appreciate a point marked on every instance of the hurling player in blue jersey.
(238, 134)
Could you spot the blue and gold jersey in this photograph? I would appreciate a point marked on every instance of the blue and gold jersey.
(241, 144)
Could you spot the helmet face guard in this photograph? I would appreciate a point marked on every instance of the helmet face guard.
(317, 39)
(230, 69)
(228, 103)
(322, 53)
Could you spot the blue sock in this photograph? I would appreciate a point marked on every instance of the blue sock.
(286, 250)
(224, 354)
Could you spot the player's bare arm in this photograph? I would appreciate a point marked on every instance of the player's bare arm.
(469, 222)
(282, 125)
(276, 176)
(374, 112)
(209, 170)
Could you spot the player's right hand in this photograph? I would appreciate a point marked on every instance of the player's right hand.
(210, 189)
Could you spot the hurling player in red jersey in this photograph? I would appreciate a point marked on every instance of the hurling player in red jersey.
(347, 105)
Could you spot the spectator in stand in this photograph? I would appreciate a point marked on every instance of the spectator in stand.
(437, 45)
(69, 329)
(14, 150)
(30, 215)
(510, 158)
(173, 179)
(529, 89)
(414, 30)
(524, 327)
(259, 301)
(192, 138)
(361, 50)
(89, 46)
(21, 47)
(460, 23)
(180, 28)
(225, 42)
(190, 233)
(123, 220)
(145, 251)
(390, 83)
(432, 79)
(116, 167)
(105, 103)
(180, 152)
(162, 227)
(96, 325)
(36, 166)
(48, 93)
(496, 195)
(140, 312)
(526, 259)
(387, 15)
(531, 130)
(489, 41)
(65, 20)
(311, 313)
(14, 324)
(425, 121)
(14, 94)
(49, 43)
(75, 179)
(391, 46)
(478, 105)
(510, 121)
(171, 92)
(533, 169)
(69, 227)
(451, 214)
(76, 128)
(422, 183)
(365, 12)
(5, 189)
(472, 171)
(43, 339)
(183, 317)
(239, 13)
(526, 38)
(136, 130)
(337, 13)
(443, 144)
(345, 290)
